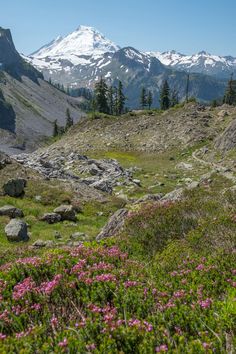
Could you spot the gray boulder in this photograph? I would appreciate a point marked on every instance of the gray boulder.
(149, 198)
(66, 212)
(14, 187)
(79, 236)
(103, 185)
(51, 218)
(16, 231)
(114, 225)
(11, 211)
(42, 244)
(174, 196)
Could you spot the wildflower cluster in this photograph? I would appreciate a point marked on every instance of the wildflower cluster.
(98, 299)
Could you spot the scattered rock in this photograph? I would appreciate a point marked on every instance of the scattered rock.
(11, 211)
(173, 196)
(42, 244)
(57, 235)
(15, 187)
(16, 231)
(79, 236)
(103, 185)
(114, 225)
(66, 212)
(38, 198)
(193, 185)
(51, 218)
(137, 182)
(148, 198)
(184, 166)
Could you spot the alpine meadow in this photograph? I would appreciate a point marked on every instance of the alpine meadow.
(117, 177)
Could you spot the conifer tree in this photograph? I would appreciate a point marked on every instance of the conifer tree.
(110, 96)
(101, 96)
(116, 101)
(149, 99)
(165, 96)
(120, 99)
(230, 93)
(143, 98)
(69, 119)
(187, 88)
(55, 129)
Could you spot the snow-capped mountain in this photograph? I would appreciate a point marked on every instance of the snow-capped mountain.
(76, 48)
(202, 62)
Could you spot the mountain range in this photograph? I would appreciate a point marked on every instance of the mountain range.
(80, 58)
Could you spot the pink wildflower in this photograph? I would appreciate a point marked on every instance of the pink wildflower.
(2, 336)
(64, 343)
(205, 303)
(161, 348)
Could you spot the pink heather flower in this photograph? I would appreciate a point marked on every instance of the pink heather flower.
(79, 266)
(200, 267)
(205, 303)
(36, 307)
(178, 294)
(29, 260)
(102, 266)
(129, 283)
(105, 277)
(161, 348)
(48, 287)
(234, 271)
(2, 336)
(206, 345)
(54, 321)
(64, 343)
(91, 347)
(21, 289)
(148, 326)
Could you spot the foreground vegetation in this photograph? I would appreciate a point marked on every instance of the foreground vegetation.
(166, 284)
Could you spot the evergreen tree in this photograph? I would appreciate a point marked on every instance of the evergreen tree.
(143, 98)
(120, 99)
(187, 88)
(69, 119)
(116, 101)
(149, 99)
(230, 93)
(55, 129)
(174, 98)
(101, 96)
(110, 96)
(165, 96)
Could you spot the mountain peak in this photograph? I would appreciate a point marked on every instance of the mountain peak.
(85, 40)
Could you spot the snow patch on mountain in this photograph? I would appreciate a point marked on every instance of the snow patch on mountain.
(200, 62)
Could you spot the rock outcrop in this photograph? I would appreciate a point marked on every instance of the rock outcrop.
(114, 225)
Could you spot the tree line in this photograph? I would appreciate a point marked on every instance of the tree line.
(59, 130)
(109, 99)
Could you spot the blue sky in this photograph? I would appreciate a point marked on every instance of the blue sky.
(185, 25)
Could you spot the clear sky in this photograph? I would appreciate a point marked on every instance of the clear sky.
(187, 26)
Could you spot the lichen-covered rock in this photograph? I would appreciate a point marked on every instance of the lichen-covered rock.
(66, 212)
(15, 187)
(51, 218)
(11, 211)
(16, 231)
